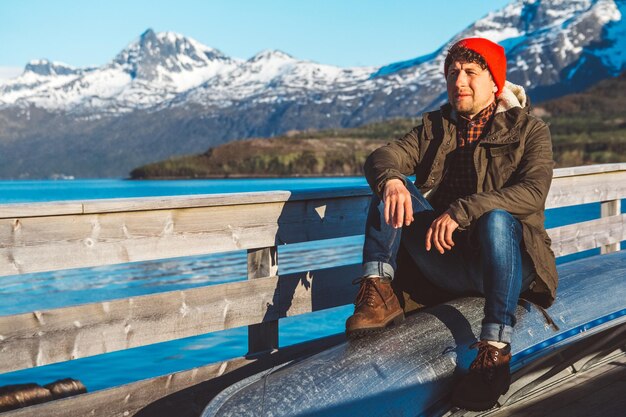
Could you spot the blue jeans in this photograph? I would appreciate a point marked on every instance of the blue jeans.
(490, 262)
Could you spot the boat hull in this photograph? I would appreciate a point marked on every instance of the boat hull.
(405, 370)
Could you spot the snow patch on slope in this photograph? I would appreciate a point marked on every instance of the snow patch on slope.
(614, 56)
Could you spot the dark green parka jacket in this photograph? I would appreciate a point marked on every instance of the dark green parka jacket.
(513, 163)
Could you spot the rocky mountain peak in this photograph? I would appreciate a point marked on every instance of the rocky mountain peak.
(49, 68)
(155, 54)
(271, 55)
(524, 17)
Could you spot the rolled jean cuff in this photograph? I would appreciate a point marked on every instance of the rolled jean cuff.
(379, 269)
(496, 332)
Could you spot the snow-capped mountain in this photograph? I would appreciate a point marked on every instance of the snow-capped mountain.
(164, 68)
(553, 47)
(273, 76)
(168, 94)
(150, 71)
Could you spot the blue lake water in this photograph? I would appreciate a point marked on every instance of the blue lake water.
(25, 293)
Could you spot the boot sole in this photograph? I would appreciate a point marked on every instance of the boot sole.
(364, 331)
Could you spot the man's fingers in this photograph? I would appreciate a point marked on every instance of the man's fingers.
(399, 215)
(442, 239)
(439, 237)
(434, 227)
(408, 212)
(448, 236)
(437, 245)
(439, 234)
(397, 211)
(442, 236)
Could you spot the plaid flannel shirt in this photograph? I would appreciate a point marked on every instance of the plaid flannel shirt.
(460, 178)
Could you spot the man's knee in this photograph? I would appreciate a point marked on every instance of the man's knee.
(496, 222)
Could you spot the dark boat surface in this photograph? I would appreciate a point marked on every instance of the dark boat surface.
(410, 369)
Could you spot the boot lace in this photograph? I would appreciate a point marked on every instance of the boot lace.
(367, 292)
(486, 360)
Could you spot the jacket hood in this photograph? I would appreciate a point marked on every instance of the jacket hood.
(512, 96)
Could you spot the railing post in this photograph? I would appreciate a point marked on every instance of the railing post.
(262, 263)
(607, 209)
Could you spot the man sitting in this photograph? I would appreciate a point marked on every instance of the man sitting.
(473, 222)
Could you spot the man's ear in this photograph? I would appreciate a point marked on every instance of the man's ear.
(495, 87)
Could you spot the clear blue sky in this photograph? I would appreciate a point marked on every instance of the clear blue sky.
(337, 32)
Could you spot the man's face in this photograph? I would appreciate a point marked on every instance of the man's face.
(470, 88)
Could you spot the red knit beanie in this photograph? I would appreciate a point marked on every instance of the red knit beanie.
(492, 53)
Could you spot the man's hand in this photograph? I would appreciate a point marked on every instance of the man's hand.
(440, 233)
(398, 207)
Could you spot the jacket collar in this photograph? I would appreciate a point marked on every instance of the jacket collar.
(512, 108)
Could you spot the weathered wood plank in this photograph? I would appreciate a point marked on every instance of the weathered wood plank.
(216, 200)
(44, 337)
(607, 209)
(118, 205)
(589, 169)
(53, 208)
(587, 235)
(308, 291)
(584, 189)
(182, 394)
(63, 242)
(262, 337)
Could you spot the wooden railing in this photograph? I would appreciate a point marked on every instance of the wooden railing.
(56, 236)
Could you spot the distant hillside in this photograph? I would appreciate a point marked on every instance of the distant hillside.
(310, 153)
(589, 127)
(606, 98)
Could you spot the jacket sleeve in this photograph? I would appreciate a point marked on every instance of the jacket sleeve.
(530, 190)
(397, 159)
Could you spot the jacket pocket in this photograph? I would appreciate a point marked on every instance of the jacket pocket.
(502, 162)
(495, 151)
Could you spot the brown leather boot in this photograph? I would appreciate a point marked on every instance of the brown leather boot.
(488, 378)
(376, 307)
